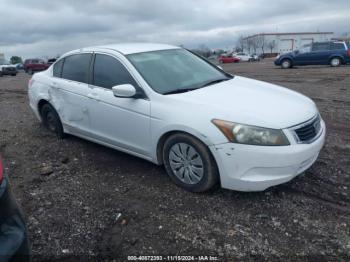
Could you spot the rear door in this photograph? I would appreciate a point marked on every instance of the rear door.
(41, 65)
(70, 89)
(320, 53)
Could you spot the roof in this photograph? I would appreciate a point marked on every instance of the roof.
(132, 48)
(293, 33)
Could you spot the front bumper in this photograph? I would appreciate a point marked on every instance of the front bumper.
(13, 234)
(256, 168)
(277, 62)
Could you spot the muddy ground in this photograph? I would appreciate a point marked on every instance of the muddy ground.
(85, 201)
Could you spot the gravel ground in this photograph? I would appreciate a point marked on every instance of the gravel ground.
(86, 201)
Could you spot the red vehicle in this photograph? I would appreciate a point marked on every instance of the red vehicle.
(35, 65)
(223, 59)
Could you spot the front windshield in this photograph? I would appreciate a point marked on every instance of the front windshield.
(176, 69)
(4, 62)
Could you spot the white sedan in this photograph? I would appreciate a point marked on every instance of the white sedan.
(243, 57)
(171, 107)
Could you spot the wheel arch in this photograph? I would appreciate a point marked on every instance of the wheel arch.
(287, 58)
(41, 103)
(342, 60)
(160, 143)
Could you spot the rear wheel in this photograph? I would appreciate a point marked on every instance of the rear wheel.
(189, 163)
(51, 120)
(30, 71)
(335, 62)
(286, 63)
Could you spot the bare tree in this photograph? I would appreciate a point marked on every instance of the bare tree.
(203, 50)
(261, 42)
(241, 42)
(250, 44)
(271, 45)
(255, 43)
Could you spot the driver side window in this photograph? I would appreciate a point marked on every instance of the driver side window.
(305, 49)
(109, 72)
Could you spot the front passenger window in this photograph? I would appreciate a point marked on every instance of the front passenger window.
(109, 72)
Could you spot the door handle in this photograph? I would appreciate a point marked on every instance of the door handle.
(93, 96)
(54, 85)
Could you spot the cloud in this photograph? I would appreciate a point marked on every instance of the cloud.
(46, 28)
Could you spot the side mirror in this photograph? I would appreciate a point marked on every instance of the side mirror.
(124, 91)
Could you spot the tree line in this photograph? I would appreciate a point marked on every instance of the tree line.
(256, 43)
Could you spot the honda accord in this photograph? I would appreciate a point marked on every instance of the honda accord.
(168, 105)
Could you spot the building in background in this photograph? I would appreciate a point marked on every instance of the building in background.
(272, 44)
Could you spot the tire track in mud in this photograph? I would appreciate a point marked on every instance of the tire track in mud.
(9, 91)
(324, 201)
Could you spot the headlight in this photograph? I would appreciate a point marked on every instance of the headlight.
(251, 135)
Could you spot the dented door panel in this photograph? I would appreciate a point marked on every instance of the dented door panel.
(71, 102)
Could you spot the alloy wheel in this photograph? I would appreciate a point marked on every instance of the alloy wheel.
(335, 62)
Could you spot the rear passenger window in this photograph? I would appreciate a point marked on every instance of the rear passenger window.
(337, 46)
(109, 72)
(76, 67)
(320, 47)
(57, 68)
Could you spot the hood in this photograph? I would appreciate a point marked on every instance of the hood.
(287, 54)
(8, 66)
(246, 101)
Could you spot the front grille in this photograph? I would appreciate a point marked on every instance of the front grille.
(309, 131)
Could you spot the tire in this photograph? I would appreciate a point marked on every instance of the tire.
(286, 63)
(13, 74)
(30, 71)
(335, 62)
(189, 163)
(1, 74)
(51, 120)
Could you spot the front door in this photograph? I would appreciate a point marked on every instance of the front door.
(122, 122)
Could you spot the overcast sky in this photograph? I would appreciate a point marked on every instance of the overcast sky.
(38, 28)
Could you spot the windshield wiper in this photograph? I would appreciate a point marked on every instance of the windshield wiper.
(180, 90)
(183, 90)
(212, 82)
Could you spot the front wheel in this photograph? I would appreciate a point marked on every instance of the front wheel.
(189, 163)
(335, 62)
(51, 120)
(286, 63)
